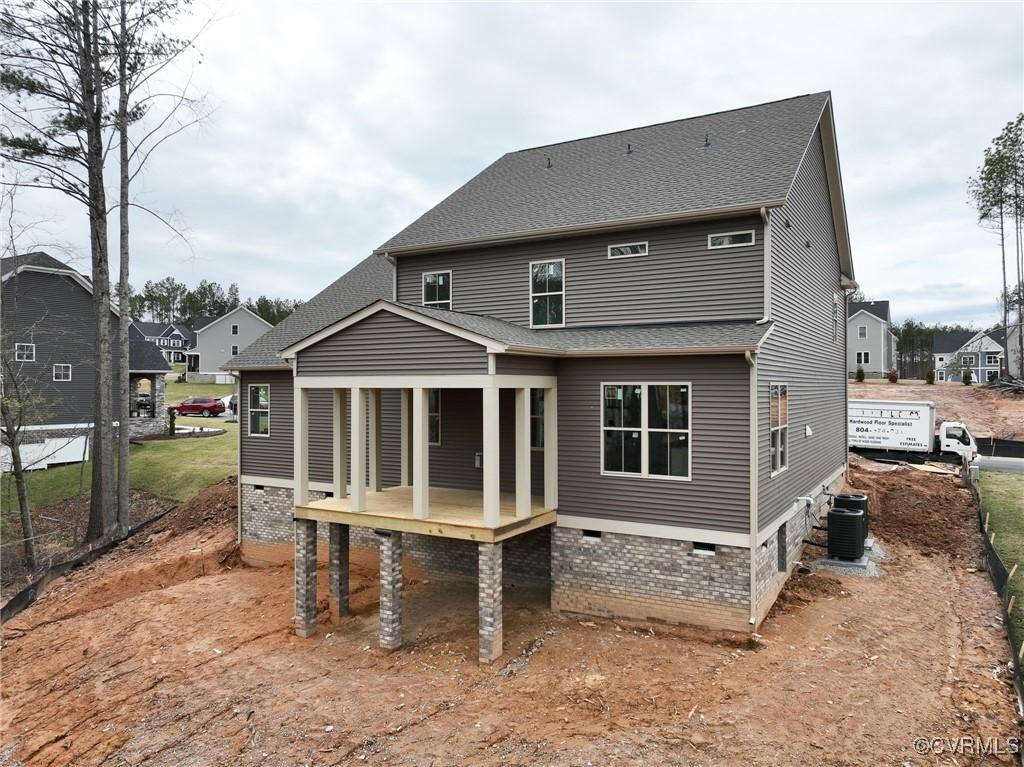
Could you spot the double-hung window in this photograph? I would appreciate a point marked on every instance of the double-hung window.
(61, 372)
(547, 294)
(645, 429)
(437, 289)
(536, 419)
(862, 331)
(259, 410)
(234, 330)
(434, 417)
(778, 410)
(234, 350)
(24, 352)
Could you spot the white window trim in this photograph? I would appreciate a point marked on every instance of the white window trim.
(988, 358)
(751, 232)
(249, 410)
(430, 413)
(18, 358)
(644, 431)
(776, 472)
(942, 360)
(451, 291)
(234, 350)
(940, 375)
(859, 329)
(234, 329)
(645, 243)
(969, 359)
(561, 293)
(61, 365)
(863, 358)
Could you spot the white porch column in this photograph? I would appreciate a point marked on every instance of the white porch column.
(340, 445)
(373, 429)
(492, 489)
(551, 448)
(301, 447)
(523, 503)
(357, 453)
(406, 425)
(420, 453)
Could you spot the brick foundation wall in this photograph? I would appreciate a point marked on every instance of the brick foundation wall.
(634, 576)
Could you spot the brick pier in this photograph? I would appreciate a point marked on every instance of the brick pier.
(489, 565)
(390, 590)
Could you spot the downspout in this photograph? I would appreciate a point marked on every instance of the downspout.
(767, 268)
(751, 358)
(238, 482)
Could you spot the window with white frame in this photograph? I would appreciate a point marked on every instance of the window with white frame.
(24, 352)
(730, 239)
(437, 289)
(234, 351)
(968, 359)
(234, 330)
(862, 331)
(536, 419)
(434, 417)
(863, 358)
(778, 410)
(645, 429)
(942, 360)
(940, 375)
(61, 372)
(991, 359)
(259, 410)
(547, 294)
(627, 250)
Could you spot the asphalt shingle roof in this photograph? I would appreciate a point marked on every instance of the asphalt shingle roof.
(943, 343)
(751, 158)
(144, 355)
(38, 258)
(878, 308)
(368, 281)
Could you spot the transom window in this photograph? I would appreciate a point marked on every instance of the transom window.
(24, 352)
(547, 294)
(627, 250)
(259, 410)
(536, 419)
(62, 372)
(645, 429)
(778, 410)
(434, 417)
(437, 289)
(863, 358)
(731, 239)
(862, 331)
(234, 330)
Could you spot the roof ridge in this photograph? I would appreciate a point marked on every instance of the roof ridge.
(670, 122)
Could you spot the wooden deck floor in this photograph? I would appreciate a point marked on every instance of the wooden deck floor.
(453, 514)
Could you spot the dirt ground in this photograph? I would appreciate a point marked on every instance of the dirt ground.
(170, 653)
(987, 413)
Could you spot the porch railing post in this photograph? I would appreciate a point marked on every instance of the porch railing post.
(373, 430)
(357, 454)
(340, 445)
(492, 489)
(551, 448)
(301, 450)
(523, 502)
(420, 453)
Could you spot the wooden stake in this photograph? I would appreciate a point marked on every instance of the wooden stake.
(1009, 607)
(1020, 655)
(986, 520)
(1012, 571)
(992, 540)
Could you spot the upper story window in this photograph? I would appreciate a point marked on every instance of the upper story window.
(24, 352)
(778, 409)
(547, 294)
(991, 359)
(234, 350)
(61, 372)
(645, 429)
(627, 250)
(434, 417)
(234, 330)
(259, 410)
(437, 289)
(731, 239)
(836, 308)
(941, 360)
(968, 359)
(862, 331)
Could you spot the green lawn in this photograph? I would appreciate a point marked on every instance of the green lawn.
(176, 392)
(177, 468)
(1002, 498)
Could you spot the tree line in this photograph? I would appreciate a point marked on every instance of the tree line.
(914, 345)
(168, 300)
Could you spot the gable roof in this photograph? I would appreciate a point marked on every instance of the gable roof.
(202, 321)
(729, 162)
(879, 309)
(944, 343)
(145, 357)
(151, 329)
(43, 263)
(369, 280)
(239, 308)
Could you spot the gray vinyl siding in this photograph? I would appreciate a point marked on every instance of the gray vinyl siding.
(802, 350)
(878, 342)
(56, 314)
(386, 344)
(515, 364)
(718, 496)
(679, 279)
(214, 342)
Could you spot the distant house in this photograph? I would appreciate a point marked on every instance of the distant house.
(173, 339)
(979, 350)
(870, 342)
(48, 350)
(1016, 364)
(218, 340)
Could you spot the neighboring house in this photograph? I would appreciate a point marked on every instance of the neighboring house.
(219, 339)
(870, 342)
(1016, 363)
(981, 351)
(614, 366)
(173, 339)
(49, 359)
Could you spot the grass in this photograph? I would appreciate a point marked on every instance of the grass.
(1002, 498)
(176, 392)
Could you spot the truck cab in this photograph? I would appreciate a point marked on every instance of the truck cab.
(955, 438)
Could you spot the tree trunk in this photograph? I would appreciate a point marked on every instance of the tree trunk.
(123, 510)
(1006, 292)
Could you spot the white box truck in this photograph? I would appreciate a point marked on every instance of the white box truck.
(905, 427)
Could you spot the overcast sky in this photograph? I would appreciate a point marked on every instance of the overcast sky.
(335, 126)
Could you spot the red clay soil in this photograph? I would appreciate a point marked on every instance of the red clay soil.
(167, 654)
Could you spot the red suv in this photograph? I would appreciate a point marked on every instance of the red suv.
(205, 406)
